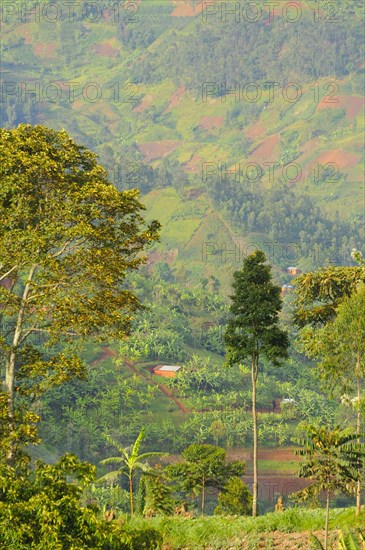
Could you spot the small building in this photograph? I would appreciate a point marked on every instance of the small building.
(292, 270)
(287, 288)
(167, 371)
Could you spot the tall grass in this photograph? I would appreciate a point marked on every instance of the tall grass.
(218, 532)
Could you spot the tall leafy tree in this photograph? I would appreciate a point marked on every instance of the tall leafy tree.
(253, 330)
(340, 348)
(329, 312)
(68, 238)
(204, 466)
(332, 460)
(131, 462)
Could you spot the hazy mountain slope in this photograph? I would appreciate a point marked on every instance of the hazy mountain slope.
(131, 83)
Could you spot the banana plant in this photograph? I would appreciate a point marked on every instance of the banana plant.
(130, 461)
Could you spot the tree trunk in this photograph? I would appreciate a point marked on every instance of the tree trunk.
(203, 497)
(358, 428)
(327, 517)
(11, 359)
(131, 498)
(255, 441)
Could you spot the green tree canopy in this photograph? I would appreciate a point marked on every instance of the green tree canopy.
(68, 238)
(333, 460)
(235, 499)
(204, 466)
(253, 329)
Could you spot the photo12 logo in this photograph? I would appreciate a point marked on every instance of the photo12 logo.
(69, 11)
(68, 92)
(253, 172)
(246, 11)
(269, 91)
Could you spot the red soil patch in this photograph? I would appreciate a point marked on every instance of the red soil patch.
(310, 146)
(185, 9)
(277, 540)
(145, 103)
(169, 256)
(283, 454)
(343, 159)
(157, 149)
(255, 131)
(351, 103)
(211, 122)
(266, 149)
(194, 165)
(355, 105)
(270, 487)
(46, 49)
(105, 50)
(176, 97)
(6, 283)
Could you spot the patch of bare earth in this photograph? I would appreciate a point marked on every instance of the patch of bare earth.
(184, 8)
(342, 159)
(169, 256)
(146, 102)
(263, 454)
(175, 98)
(266, 149)
(255, 131)
(211, 122)
(157, 149)
(351, 103)
(194, 165)
(277, 540)
(105, 50)
(45, 49)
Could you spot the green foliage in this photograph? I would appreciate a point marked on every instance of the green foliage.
(188, 59)
(159, 499)
(340, 344)
(333, 461)
(203, 466)
(319, 293)
(42, 510)
(68, 239)
(285, 217)
(349, 541)
(131, 461)
(315, 543)
(235, 499)
(253, 328)
(223, 533)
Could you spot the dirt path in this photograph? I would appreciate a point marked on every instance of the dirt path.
(103, 355)
(107, 352)
(162, 387)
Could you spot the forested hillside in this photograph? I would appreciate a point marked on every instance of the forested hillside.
(170, 94)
